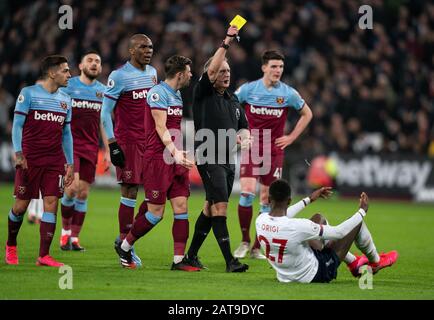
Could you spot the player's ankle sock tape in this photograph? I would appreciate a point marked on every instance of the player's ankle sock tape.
(48, 217)
(265, 208)
(80, 205)
(183, 216)
(15, 218)
(152, 218)
(66, 201)
(246, 199)
(128, 202)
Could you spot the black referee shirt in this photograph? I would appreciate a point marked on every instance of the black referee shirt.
(214, 111)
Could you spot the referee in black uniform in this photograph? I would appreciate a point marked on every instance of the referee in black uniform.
(216, 110)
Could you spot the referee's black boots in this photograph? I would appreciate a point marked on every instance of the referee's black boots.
(236, 266)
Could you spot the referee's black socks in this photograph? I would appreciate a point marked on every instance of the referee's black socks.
(221, 233)
(201, 229)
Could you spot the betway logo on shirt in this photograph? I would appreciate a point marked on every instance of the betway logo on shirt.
(49, 117)
(174, 111)
(140, 94)
(84, 104)
(275, 112)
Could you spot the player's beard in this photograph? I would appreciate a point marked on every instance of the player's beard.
(89, 75)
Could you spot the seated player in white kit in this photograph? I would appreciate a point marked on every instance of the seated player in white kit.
(295, 247)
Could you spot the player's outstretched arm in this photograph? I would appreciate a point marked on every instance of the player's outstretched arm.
(338, 232)
(323, 192)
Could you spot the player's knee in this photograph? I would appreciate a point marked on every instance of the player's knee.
(319, 218)
(20, 208)
(83, 194)
(246, 199)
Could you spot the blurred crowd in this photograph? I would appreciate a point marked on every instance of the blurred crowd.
(370, 90)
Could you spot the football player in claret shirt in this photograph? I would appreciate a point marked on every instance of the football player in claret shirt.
(266, 102)
(167, 167)
(86, 93)
(42, 141)
(303, 250)
(125, 96)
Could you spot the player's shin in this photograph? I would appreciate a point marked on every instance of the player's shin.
(180, 236)
(126, 216)
(46, 230)
(245, 213)
(365, 243)
(67, 209)
(141, 226)
(14, 224)
(80, 210)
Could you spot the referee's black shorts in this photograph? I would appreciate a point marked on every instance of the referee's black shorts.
(218, 180)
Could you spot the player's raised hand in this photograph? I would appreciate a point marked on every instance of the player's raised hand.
(20, 161)
(181, 159)
(284, 141)
(364, 201)
(116, 154)
(69, 175)
(324, 192)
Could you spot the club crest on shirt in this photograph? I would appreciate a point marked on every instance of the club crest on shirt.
(64, 105)
(21, 189)
(154, 79)
(280, 100)
(99, 94)
(128, 175)
(155, 194)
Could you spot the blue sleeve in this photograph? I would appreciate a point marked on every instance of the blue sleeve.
(295, 100)
(157, 99)
(69, 112)
(67, 143)
(108, 105)
(17, 131)
(114, 87)
(242, 92)
(23, 101)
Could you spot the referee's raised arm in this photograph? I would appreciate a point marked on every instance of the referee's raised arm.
(220, 54)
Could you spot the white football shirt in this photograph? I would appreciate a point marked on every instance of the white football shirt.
(285, 243)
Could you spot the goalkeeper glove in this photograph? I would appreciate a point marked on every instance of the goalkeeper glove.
(116, 155)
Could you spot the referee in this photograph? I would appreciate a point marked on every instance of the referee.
(217, 112)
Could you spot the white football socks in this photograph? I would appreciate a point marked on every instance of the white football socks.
(349, 258)
(177, 259)
(66, 232)
(126, 246)
(365, 243)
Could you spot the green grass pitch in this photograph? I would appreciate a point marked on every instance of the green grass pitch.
(97, 274)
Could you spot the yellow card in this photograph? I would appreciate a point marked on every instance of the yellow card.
(238, 21)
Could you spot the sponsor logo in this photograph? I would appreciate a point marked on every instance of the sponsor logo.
(237, 113)
(84, 104)
(20, 98)
(49, 117)
(174, 112)
(64, 105)
(140, 94)
(275, 112)
(280, 100)
(99, 94)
